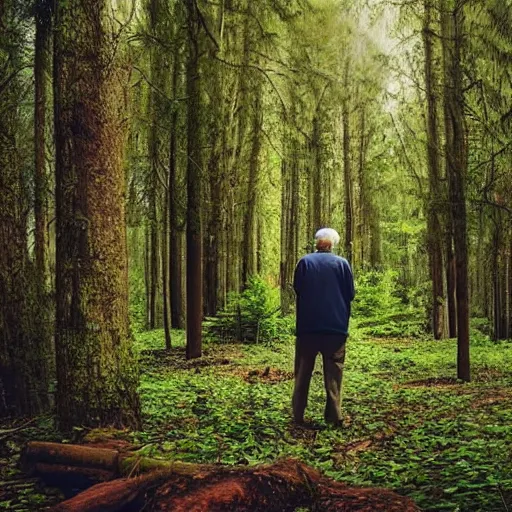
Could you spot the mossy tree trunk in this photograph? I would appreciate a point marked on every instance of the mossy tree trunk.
(23, 331)
(96, 375)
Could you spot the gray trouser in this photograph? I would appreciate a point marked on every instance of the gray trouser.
(332, 348)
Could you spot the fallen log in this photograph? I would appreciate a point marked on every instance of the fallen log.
(79, 467)
(184, 487)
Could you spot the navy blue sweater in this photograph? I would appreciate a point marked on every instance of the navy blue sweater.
(324, 286)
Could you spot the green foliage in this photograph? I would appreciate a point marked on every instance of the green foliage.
(376, 293)
(251, 316)
(409, 424)
(379, 311)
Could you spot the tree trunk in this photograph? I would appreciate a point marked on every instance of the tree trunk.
(23, 361)
(434, 203)
(175, 266)
(361, 253)
(450, 278)
(452, 39)
(147, 274)
(316, 175)
(249, 234)
(214, 235)
(96, 375)
(153, 152)
(284, 278)
(165, 267)
(41, 69)
(194, 190)
(347, 179)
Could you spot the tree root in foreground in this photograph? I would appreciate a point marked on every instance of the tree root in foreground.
(181, 487)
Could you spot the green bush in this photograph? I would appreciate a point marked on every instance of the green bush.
(251, 316)
(379, 310)
(376, 293)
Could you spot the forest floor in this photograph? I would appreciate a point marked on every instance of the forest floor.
(409, 425)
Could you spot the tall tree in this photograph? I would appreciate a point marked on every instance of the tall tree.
(96, 374)
(43, 19)
(249, 266)
(452, 31)
(435, 203)
(194, 188)
(347, 166)
(175, 223)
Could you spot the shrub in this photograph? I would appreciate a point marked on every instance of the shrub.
(376, 292)
(251, 316)
(379, 311)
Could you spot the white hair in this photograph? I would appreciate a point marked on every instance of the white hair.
(329, 234)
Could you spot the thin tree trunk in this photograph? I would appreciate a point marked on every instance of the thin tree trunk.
(153, 150)
(175, 252)
(434, 230)
(214, 233)
(165, 280)
(284, 278)
(96, 375)
(249, 234)
(363, 194)
(147, 279)
(41, 69)
(317, 172)
(450, 279)
(347, 181)
(153, 263)
(194, 190)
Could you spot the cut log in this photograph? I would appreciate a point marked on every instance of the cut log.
(183, 487)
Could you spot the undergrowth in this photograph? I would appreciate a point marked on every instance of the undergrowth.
(409, 424)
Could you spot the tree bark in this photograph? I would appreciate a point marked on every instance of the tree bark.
(347, 178)
(316, 175)
(165, 268)
(96, 375)
(194, 190)
(436, 195)
(214, 235)
(175, 252)
(249, 234)
(450, 278)
(41, 69)
(452, 18)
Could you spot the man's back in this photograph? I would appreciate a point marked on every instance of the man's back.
(324, 286)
